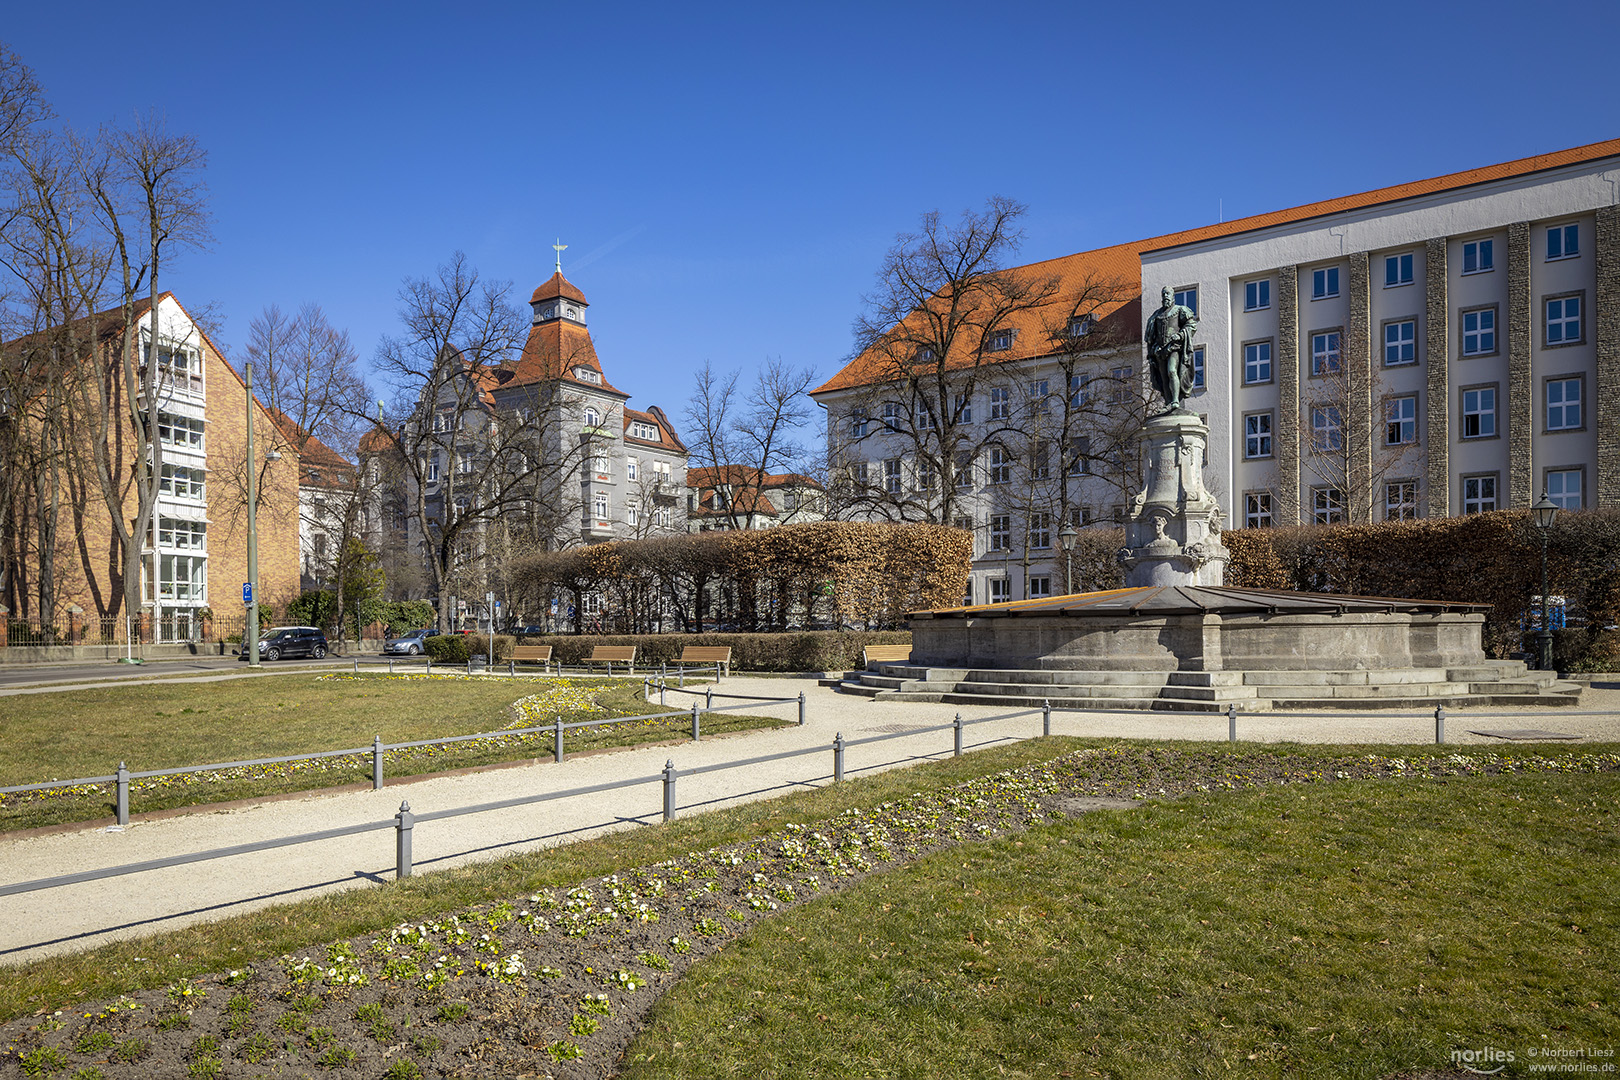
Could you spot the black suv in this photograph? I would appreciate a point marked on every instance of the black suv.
(281, 642)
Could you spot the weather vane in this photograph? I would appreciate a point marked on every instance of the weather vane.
(559, 247)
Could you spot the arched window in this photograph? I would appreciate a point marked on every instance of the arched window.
(593, 418)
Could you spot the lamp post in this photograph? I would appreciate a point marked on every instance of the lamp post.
(250, 628)
(1066, 537)
(1542, 515)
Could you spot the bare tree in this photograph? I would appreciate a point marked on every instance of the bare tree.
(1353, 445)
(307, 370)
(746, 438)
(470, 453)
(945, 314)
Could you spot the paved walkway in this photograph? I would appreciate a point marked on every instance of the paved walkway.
(76, 917)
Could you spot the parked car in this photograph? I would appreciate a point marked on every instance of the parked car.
(284, 642)
(528, 631)
(409, 643)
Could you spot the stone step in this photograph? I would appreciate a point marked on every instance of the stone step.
(1419, 705)
(1054, 677)
(1237, 694)
(1354, 677)
(1381, 691)
(1037, 691)
(1086, 703)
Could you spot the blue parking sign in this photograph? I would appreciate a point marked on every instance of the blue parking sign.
(247, 592)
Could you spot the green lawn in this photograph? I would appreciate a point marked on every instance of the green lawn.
(88, 732)
(1357, 929)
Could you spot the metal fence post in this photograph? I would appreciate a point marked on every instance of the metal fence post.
(680, 673)
(669, 790)
(429, 667)
(708, 699)
(557, 742)
(390, 665)
(376, 763)
(511, 667)
(357, 665)
(1439, 723)
(1046, 718)
(958, 726)
(694, 721)
(123, 794)
(1231, 723)
(801, 708)
(838, 757)
(404, 821)
(469, 665)
(662, 701)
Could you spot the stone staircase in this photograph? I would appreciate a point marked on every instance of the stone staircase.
(1491, 683)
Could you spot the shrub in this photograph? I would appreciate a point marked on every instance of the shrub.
(447, 648)
(479, 645)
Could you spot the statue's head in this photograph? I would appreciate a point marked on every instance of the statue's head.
(1168, 295)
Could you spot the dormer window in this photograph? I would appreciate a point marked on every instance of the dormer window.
(644, 431)
(585, 374)
(1080, 326)
(1000, 340)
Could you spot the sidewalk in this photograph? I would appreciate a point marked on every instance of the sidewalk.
(80, 916)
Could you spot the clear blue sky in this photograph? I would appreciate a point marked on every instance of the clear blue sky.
(727, 177)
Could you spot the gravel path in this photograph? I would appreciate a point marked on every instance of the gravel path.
(79, 916)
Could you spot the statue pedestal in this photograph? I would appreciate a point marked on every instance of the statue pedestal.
(1173, 533)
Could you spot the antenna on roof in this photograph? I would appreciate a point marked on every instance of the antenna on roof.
(1220, 210)
(559, 247)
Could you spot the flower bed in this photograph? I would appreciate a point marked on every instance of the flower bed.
(558, 981)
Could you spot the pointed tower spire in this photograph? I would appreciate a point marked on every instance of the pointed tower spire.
(559, 247)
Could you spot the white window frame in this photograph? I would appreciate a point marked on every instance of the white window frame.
(1000, 532)
(1258, 356)
(1563, 241)
(1326, 347)
(1040, 586)
(1000, 466)
(999, 340)
(1481, 339)
(1040, 531)
(1398, 270)
(1479, 492)
(1478, 256)
(600, 506)
(891, 476)
(1400, 342)
(1257, 294)
(1187, 297)
(632, 470)
(1563, 316)
(1564, 401)
(1401, 500)
(1257, 435)
(1565, 487)
(1479, 405)
(964, 408)
(1000, 590)
(1257, 510)
(1327, 429)
(1000, 403)
(858, 421)
(1325, 283)
(1400, 420)
(1327, 505)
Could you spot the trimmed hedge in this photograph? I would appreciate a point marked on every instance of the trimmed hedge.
(818, 650)
(447, 648)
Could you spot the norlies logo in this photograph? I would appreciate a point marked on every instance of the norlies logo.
(1486, 1061)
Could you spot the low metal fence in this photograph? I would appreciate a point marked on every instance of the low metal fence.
(405, 820)
(378, 749)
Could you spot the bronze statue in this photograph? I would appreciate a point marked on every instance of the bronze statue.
(1169, 337)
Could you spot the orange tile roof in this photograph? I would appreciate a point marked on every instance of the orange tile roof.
(318, 464)
(1124, 260)
(654, 416)
(558, 286)
(554, 349)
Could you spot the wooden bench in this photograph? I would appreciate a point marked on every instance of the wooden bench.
(532, 654)
(718, 656)
(884, 654)
(613, 654)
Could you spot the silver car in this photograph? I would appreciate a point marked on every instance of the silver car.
(409, 643)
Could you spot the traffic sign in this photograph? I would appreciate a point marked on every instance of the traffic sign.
(247, 593)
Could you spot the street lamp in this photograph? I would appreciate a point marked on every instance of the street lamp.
(1542, 515)
(250, 590)
(1066, 537)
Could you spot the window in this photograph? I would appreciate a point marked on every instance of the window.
(891, 476)
(1563, 320)
(1257, 435)
(1563, 404)
(1039, 462)
(967, 593)
(999, 397)
(1397, 270)
(857, 424)
(1478, 256)
(182, 534)
(1000, 532)
(1000, 340)
(592, 417)
(963, 521)
(1400, 342)
(182, 577)
(180, 432)
(1400, 421)
(1256, 362)
(1564, 487)
(632, 515)
(465, 463)
(1000, 466)
(442, 423)
(1040, 530)
(664, 517)
(1479, 412)
(859, 476)
(632, 470)
(1079, 453)
(1479, 331)
(1257, 295)
(1187, 297)
(600, 505)
(1563, 242)
(644, 431)
(964, 469)
(1000, 590)
(1039, 389)
(925, 474)
(1083, 513)
(964, 409)
(1327, 506)
(1327, 428)
(433, 468)
(585, 374)
(1080, 325)
(1325, 283)
(1040, 586)
(179, 482)
(599, 464)
(1400, 501)
(1198, 368)
(922, 413)
(1122, 378)
(891, 416)
(1257, 510)
(1479, 494)
(1325, 353)
(1079, 391)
